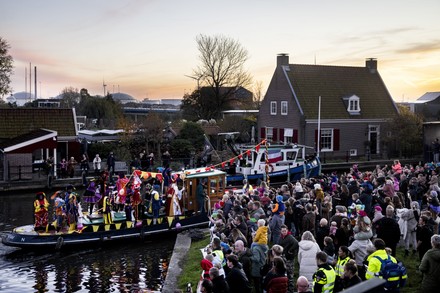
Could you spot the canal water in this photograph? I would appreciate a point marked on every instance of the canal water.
(119, 267)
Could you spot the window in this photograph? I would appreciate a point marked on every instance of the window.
(269, 134)
(326, 139)
(284, 108)
(288, 135)
(354, 107)
(273, 108)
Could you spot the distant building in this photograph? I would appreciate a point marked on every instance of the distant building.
(123, 98)
(20, 98)
(33, 134)
(427, 106)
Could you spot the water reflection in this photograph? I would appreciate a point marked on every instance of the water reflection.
(118, 267)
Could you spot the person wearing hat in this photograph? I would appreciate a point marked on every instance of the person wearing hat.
(97, 164)
(41, 206)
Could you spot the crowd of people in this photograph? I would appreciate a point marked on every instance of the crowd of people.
(339, 229)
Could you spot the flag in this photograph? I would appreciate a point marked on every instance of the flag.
(274, 156)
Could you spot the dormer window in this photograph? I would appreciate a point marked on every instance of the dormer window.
(354, 107)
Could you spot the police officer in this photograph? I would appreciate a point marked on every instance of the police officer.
(324, 277)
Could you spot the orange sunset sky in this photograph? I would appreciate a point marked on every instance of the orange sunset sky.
(145, 48)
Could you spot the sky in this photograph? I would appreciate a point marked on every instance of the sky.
(145, 48)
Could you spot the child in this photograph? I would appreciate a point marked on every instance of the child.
(329, 249)
(279, 207)
(362, 230)
(333, 228)
(206, 265)
(260, 237)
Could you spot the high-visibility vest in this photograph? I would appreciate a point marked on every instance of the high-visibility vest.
(329, 282)
(339, 269)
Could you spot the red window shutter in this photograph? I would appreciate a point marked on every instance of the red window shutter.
(295, 136)
(336, 139)
(263, 133)
(275, 137)
(282, 134)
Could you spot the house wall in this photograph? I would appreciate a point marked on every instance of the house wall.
(279, 91)
(352, 136)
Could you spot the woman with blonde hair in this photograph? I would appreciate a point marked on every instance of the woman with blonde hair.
(307, 255)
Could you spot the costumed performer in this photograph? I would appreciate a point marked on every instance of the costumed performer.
(41, 214)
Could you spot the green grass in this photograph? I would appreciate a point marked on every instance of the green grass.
(192, 270)
(411, 263)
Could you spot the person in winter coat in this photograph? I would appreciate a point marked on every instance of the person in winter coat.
(307, 255)
(309, 219)
(424, 235)
(258, 258)
(219, 284)
(430, 267)
(276, 280)
(388, 230)
(236, 278)
(359, 249)
(275, 224)
(411, 218)
(244, 255)
(290, 250)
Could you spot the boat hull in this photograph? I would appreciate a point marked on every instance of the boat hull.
(312, 169)
(54, 241)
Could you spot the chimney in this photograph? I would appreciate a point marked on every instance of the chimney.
(371, 63)
(282, 59)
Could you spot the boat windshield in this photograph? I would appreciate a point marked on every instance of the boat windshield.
(291, 155)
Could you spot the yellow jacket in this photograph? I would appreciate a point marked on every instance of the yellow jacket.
(261, 235)
(374, 264)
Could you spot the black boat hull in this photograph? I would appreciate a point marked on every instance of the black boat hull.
(54, 241)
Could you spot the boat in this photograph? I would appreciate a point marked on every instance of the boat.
(95, 232)
(274, 163)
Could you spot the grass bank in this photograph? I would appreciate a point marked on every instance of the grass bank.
(192, 270)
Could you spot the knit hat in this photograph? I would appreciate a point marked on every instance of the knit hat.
(279, 198)
(317, 186)
(298, 187)
(433, 193)
(378, 208)
(340, 209)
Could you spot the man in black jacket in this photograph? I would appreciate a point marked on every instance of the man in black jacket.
(388, 230)
(218, 281)
(290, 250)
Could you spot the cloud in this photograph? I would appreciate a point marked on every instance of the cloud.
(422, 47)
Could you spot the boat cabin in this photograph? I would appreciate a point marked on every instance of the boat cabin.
(214, 182)
(279, 158)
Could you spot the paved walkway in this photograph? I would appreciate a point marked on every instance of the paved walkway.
(181, 248)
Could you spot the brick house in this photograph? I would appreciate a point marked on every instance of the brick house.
(355, 105)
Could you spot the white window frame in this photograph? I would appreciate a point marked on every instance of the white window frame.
(327, 137)
(284, 107)
(273, 108)
(288, 135)
(354, 105)
(269, 134)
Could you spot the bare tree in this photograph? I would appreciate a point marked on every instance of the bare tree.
(6, 67)
(258, 94)
(222, 70)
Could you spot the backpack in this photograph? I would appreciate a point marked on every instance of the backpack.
(393, 273)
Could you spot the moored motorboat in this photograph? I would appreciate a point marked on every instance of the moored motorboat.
(276, 163)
